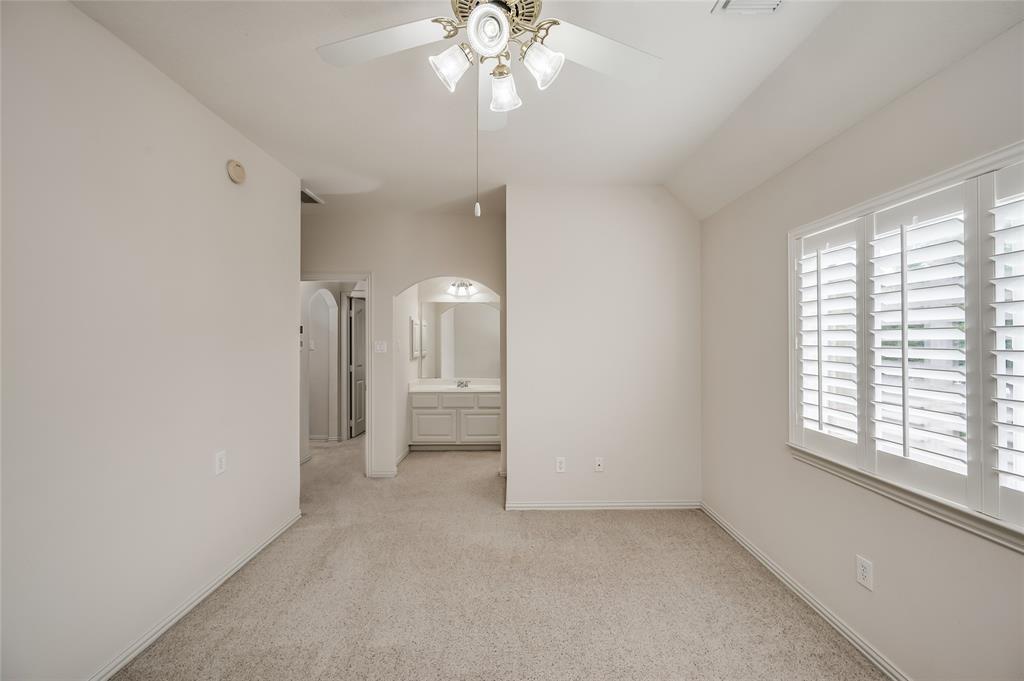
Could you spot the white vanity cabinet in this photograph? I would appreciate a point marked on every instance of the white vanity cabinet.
(455, 418)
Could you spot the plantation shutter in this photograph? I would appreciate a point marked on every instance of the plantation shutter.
(827, 344)
(918, 394)
(907, 339)
(1002, 197)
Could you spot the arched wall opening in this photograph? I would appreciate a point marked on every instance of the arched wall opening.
(444, 333)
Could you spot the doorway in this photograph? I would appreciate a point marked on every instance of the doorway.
(333, 360)
(449, 395)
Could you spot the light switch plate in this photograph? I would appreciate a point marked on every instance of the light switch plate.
(559, 464)
(599, 464)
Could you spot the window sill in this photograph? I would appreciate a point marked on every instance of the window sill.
(976, 523)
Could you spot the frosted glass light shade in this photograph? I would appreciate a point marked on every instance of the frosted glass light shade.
(503, 94)
(450, 65)
(488, 30)
(544, 63)
(462, 289)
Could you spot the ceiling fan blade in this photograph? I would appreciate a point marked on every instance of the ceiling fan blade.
(602, 54)
(489, 120)
(381, 43)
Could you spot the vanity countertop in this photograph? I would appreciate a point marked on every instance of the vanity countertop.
(452, 388)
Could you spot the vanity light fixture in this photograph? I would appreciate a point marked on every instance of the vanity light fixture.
(462, 289)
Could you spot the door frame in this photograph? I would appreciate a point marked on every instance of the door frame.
(357, 275)
(350, 367)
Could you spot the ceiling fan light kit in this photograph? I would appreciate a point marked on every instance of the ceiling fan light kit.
(491, 27)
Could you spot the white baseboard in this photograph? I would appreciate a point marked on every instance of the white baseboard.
(877, 658)
(402, 458)
(306, 460)
(140, 644)
(598, 505)
(385, 474)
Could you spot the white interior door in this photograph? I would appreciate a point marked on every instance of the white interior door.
(357, 368)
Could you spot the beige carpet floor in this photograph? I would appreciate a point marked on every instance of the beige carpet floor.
(426, 577)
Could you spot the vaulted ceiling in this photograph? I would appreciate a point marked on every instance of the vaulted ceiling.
(737, 99)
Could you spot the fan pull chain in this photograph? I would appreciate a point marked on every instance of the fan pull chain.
(476, 104)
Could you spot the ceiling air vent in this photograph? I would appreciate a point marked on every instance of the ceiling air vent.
(310, 197)
(746, 6)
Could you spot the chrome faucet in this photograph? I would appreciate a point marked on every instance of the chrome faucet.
(462, 383)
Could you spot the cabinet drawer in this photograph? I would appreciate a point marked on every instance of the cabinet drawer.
(423, 400)
(433, 426)
(458, 400)
(479, 425)
(489, 401)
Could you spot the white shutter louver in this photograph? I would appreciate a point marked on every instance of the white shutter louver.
(827, 339)
(918, 341)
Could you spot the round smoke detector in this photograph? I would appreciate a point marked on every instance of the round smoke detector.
(236, 171)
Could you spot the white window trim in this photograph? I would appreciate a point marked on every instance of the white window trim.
(963, 517)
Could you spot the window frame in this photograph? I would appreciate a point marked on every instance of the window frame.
(973, 510)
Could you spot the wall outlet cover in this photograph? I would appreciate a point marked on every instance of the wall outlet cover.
(220, 462)
(865, 573)
(380, 347)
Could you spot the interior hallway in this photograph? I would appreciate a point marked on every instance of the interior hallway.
(425, 576)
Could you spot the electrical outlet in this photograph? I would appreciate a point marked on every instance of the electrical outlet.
(599, 464)
(220, 462)
(559, 464)
(865, 573)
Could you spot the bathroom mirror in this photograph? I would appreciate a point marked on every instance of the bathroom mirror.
(460, 340)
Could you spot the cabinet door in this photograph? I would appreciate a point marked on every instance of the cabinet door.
(435, 425)
(477, 425)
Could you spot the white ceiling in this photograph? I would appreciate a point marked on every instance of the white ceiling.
(390, 131)
(863, 56)
(390, 127)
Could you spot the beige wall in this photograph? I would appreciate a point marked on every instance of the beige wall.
(603, 334)
(149, 320)
(399, 246)
(946, 604)
(407, 305)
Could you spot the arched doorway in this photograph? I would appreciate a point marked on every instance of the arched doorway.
(323, 366)
(449, 369)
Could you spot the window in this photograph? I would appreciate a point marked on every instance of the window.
(908, 364)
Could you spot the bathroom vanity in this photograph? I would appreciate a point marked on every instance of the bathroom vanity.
(444, 415)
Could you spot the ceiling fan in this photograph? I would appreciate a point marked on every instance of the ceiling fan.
(492, 27)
